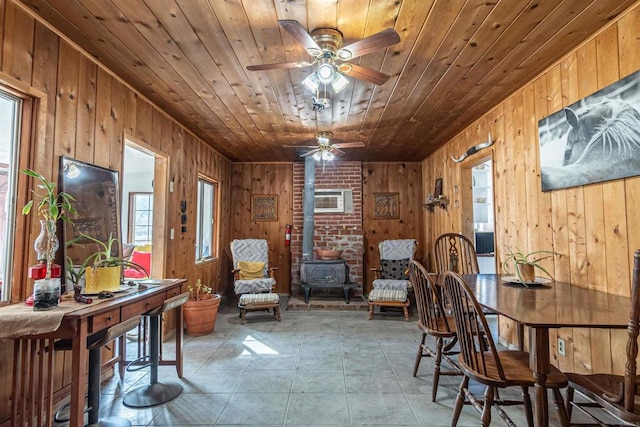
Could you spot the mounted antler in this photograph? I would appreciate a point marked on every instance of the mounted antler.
(474, 150)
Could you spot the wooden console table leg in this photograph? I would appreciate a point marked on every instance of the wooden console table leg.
(79, 355)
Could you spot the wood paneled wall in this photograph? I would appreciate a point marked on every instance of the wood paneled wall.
(277, 178)
(392, 177)
(263, 178)
(85, 112)
(596, 227)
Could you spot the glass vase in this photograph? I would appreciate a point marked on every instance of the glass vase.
(46, 244)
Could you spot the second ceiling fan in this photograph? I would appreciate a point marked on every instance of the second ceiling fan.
(325, 45)
(324, 149)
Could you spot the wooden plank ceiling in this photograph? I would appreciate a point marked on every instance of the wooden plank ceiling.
(456, 59)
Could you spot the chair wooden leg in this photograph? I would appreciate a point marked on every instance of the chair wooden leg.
(459, 401)
(276, 312)
(568, 404)
(406, 313)
(528, 409)
(243, 316)
(371, 306)
(419, 355)
(436, 368)
(560, 408)
(488, 404)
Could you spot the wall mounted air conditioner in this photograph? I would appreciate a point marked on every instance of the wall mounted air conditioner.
(333, 201)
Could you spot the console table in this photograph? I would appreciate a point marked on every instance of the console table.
(34, 363)
(322, 273)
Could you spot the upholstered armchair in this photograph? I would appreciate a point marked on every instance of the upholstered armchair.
(391, 279)
(253, 279)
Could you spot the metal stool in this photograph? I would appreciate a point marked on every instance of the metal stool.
(95, 343)
(156, 393)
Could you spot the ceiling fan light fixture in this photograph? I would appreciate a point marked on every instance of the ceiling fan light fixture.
(323, 140)
(339, 82)
(344, 54)
(327, 155)
(326, 73)
(311, 82)
(317, 156)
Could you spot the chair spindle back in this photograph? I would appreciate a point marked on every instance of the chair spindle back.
(475, 340)
(454, 252)
(431, 310)
(630, 379)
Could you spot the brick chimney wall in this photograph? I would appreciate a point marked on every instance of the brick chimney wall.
(330, 229)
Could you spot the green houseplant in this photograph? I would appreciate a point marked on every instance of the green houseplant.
(51, 207)
(102, 270)
(526, 263)
(201, 310)
(332, 252)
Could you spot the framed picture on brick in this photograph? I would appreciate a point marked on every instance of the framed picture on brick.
(264, 207)
(386, 205)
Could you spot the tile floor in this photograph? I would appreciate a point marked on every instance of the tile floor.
(315, 367)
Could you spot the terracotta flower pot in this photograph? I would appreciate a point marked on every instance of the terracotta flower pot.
(329, 254)
(200, 316)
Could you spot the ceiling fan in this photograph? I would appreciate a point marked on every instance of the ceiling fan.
(325, 45)
(324, 149)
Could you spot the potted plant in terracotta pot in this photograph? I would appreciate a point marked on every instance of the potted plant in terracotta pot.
(526, 263)
(332, 252)
(201, 310)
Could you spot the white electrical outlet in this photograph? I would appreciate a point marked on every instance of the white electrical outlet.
(561, 347)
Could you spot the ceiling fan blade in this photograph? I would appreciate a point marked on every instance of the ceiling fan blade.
(336, 151)
(309, 153)
(349, 145)
(368, 44)
(300, 146)
(301, 35)
(299, 64)
(362, 73)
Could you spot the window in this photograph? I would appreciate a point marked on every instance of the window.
(206, 238)
(140, 218)
(10, 108)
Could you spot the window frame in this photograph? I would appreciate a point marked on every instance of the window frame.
(131, 224)
(33, 105)
(215, 234)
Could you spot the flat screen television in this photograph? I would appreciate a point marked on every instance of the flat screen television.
(484, 243)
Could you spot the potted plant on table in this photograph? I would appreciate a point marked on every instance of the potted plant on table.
(201, 310)
(102, 270)
(51, 207)
(526, 263)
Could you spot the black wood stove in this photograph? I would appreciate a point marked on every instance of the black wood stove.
(320, 273)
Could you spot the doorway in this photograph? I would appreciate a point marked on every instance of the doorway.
(483, 215)
(144, 186)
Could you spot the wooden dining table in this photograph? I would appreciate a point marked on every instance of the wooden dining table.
(541, 308)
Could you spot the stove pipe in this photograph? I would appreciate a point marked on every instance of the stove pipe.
(308, 206)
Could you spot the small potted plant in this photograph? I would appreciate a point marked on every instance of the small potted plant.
(51, 207)
(201, 310)
(526, 263)
(102, 270)
(332, 252)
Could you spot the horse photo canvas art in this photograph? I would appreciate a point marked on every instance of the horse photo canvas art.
(593, 140)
